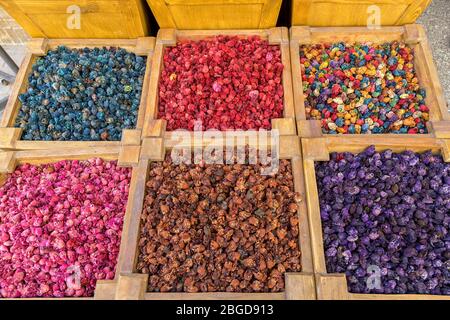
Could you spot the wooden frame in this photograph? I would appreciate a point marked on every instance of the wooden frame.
(10, 136)
(413, 35)
(127, 156)
(98, 19)
(132, 285)
(356, 12)
(215, 14)
(334, 286)
(154, 127)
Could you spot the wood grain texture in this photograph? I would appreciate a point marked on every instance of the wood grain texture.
(105, 290)
(304, 230)
(215, 14)
(128, 156)
(38, 47)
(131, 287)
(214, 296)
(334, 286)
(441, 129)
(49, 156)
(98, 18)
(423, 63)
(355, 12)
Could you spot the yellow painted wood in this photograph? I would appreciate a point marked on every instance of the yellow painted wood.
(321, 13)
(215, 14)
(99, 18)
(105, 289)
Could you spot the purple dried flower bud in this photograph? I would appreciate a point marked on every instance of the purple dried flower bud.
(331, 252)
(389, 210)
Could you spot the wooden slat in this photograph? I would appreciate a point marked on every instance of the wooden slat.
(334, 287)
(285, 126)
(315, 223)
(38, 46)
(8, 137)
(155, 128)
(105, 290)
(214, 296)
(397, 144)
(46, 156)
(153, 149)
(429, 78)
(297, 33)
(131, 137)
(129, 156)
(151, 105)
(131, 287)
(289, 110)
(20, 84)
(130, 234)
(441, 129)
(99, 18)
(304, 230)
(7, 163)
(46, 145)
(298, 285)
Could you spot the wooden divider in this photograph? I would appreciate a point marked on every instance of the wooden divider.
(132, 285)
(169, 37)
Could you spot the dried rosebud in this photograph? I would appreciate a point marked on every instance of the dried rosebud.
(60, 227)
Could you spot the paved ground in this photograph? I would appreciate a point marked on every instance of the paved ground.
(437, 22)
(12, 38)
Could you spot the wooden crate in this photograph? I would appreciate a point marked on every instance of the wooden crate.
(333, 13)
(216, 14)
(413, 35)
(127, 156)
(10, 137)
(334, 286)
(154, 127)
(119, 19)
(132, 285)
